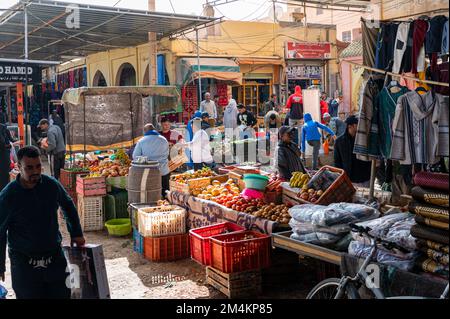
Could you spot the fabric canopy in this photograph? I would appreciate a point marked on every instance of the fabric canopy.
(260, 61)
(217, 68)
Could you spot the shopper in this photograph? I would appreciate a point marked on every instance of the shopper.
(29, 222)
(54, 145)
(55, 119)
(156, 148)
(205, 121)
(295, 104)
(336, 124)
(333, 107)
(311, 134)
(344, 158)
(323, 106)
(230, 115)
(5, 152)
(270, 105)
(200, 147)
(272, 120)
(288, 154)
(209, 106)
(247, 121)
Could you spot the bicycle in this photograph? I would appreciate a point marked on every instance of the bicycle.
(347, 287)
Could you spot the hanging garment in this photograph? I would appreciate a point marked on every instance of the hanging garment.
(418, 50)
(420, 128)
(440, 74)
(401, 42)
(387, 47)
(386, 103)
(407, 56)
(361, 148)
(378, 44)
(369, 39)
(445, 38)
(433, 40)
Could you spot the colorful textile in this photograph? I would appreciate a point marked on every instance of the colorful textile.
(438, 181)
(420, 30)
(431, 222)
(420, 128)
(429, 211)
(431, 266)
(429, 233)
(426, 195)
(428, 244)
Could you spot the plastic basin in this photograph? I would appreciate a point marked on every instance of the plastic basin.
(255, 181)
(119, 227)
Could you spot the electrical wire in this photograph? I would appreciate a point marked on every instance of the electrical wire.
(171, 4)
(117, 3)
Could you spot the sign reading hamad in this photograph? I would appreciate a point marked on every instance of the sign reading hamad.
(14, 72)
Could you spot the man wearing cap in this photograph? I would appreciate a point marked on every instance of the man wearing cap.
(288, 154)
(336, 124)
(54, 145)
(358, 171)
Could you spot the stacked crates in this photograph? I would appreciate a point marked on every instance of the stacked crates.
(91, 192)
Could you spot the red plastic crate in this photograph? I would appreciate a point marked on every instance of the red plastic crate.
(68, 179)
(168, 248)
(233, 252)
(200, 244)
(73, 194)
(92, 186)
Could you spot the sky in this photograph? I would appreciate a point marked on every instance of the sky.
(239, 10)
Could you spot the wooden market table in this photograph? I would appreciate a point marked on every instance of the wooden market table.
(283, 240)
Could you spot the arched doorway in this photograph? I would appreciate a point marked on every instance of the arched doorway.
(126, 76)
(99, 79)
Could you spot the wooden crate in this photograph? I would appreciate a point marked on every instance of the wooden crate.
(246, 284)
(92, 186)
(189, 185)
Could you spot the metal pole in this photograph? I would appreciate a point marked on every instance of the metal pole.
(198, 67)
(373, 172)
(27, 142)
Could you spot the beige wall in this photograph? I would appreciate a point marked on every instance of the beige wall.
(232, 39)
(392, 9)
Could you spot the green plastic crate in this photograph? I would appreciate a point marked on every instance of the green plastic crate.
(116, 205)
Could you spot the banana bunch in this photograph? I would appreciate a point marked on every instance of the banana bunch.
(299, 179)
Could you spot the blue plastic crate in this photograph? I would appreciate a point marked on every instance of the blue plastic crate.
(138, 242)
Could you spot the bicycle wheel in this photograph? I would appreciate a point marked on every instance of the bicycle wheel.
(326, 289)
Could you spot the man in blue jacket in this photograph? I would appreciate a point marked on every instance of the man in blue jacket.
(311, 134)
(29, 221)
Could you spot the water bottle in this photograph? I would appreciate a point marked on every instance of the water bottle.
(3, 292)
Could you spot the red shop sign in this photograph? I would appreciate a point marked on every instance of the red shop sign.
(304, 50)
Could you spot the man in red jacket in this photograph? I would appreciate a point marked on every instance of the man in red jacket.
(323, 106)
(295, 104)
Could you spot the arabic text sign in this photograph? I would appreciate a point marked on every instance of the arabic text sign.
(297, 50)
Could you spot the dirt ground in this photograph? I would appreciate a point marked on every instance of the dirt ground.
(131, 276)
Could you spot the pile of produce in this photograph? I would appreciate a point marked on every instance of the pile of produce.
(241, 204)
(277, 213)
(108, 169)
(183, 178)
(218, 192)
(312, 189)
(310, 194)
(299, 179)
(76, 169)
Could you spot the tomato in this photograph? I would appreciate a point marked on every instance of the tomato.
(233, 207)
(238, 208)
(229, 205)
(244, 206)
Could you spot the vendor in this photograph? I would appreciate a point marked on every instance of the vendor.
(54, 145)
(156, 148)
(358, 171)
(246, 121)
(171, 136)
(200, 147)
(272, 120)
(289, 156)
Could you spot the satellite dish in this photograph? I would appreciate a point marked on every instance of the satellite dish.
(278, 12)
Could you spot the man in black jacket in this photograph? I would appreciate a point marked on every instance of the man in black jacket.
(246, 120)
(289, 155)
(358, 171)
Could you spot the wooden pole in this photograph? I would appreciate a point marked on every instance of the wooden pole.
(153, 50)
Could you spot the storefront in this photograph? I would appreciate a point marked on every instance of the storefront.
(307, 65)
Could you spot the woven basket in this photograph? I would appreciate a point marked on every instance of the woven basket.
(341, 190)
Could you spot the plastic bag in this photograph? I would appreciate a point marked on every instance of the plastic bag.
(316, 238)
(323, 180)
(306, 228)
(334, 214)
(3, 292)
(394, 228)
(395, 259)
(326, 147)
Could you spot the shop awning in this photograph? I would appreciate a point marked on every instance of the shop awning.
(217, 68)
(260, 61)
